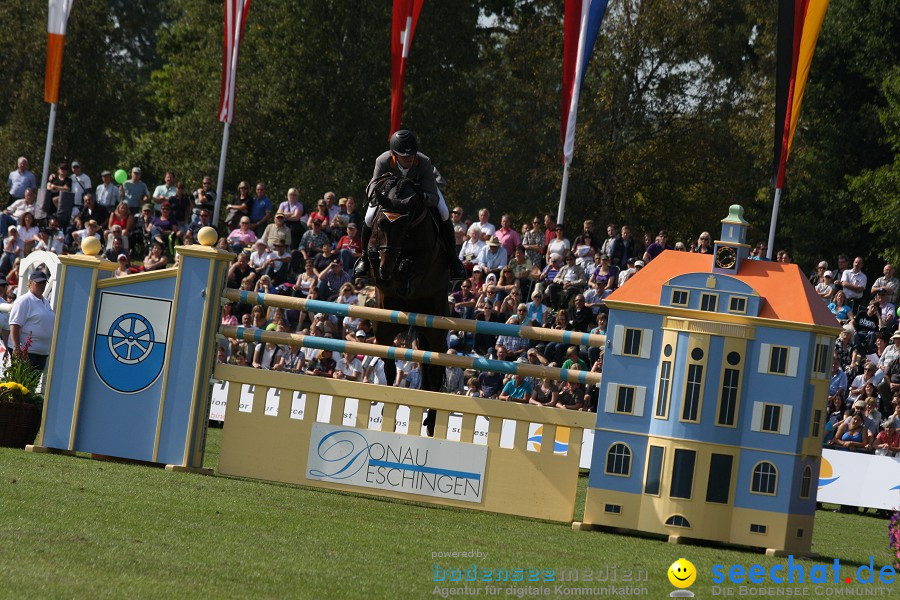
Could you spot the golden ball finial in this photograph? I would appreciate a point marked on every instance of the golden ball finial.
(208, 236)
(91, 246)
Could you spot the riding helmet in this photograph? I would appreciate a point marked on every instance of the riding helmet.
(404, 143)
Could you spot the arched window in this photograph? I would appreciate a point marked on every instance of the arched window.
(765, 479)
(677, 521)
(805, 482)
(618, 460)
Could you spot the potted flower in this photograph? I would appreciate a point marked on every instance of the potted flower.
(20, 404)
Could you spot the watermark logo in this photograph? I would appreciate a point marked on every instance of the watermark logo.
(797, 579)
(560, 445)
(826, 473)
(682, 575)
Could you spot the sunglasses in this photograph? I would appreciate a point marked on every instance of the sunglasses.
(456, 212)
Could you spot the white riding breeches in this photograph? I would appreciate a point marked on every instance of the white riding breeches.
(442, 210)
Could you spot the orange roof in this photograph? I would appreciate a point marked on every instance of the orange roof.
(783, 288)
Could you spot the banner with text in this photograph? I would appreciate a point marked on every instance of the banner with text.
(398, 463)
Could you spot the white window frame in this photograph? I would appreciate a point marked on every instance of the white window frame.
(774, 491)
(765, 358)
(612, 396)
(715, 298)
(619, 342)
(784, 426)
(687, 300)
(630, 460)
(733, 310)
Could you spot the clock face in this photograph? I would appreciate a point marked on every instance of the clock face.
(726, 257)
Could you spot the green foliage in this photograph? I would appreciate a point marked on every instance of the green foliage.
(674, 124)
(20, 380)
(877, 191)
(109, 52)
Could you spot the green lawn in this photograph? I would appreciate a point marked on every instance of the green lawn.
(74, 527)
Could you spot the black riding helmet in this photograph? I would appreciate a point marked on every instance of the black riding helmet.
(404, 143)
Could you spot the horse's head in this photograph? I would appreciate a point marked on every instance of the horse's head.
(400, 212)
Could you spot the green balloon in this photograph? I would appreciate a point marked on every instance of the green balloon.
(121, 176)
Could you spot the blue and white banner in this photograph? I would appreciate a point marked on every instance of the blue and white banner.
(397, 463)
(858, 479)
(130, 340)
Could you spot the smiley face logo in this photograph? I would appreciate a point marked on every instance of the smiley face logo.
(682, 573)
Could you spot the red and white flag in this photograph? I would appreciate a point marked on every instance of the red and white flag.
(235, 18)
(582, 24)
(56, 39)
(406, 15)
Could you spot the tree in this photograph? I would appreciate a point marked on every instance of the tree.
(106, 63)
(877, 191)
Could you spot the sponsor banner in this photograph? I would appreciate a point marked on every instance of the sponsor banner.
(856, 479)
(396, 462)
(130, 341)
(454, 424)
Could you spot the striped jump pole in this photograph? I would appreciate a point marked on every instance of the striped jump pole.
(408, 354)
(404, 318)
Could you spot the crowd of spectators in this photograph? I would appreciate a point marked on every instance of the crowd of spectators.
(531, 273)
(864, 393)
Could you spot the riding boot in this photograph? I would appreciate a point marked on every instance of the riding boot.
(361, 268)
(457, 269)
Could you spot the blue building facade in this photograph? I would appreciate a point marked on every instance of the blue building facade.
(711, 409)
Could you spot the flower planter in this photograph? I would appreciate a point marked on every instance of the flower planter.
(19, 424)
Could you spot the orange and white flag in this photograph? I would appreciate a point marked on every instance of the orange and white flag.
(56, 38)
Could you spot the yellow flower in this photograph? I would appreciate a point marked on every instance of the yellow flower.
(13, 386)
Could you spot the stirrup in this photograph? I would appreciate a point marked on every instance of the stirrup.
(361, 269)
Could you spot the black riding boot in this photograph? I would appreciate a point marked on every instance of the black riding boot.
(361, 268)
(458, 271)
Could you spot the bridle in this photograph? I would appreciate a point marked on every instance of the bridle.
(392, 217)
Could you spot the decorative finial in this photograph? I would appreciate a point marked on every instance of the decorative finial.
(208, 236)
(90, 246)
(735, 215)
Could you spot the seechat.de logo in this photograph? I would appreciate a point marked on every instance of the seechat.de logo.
(795, 573)
(681, 575)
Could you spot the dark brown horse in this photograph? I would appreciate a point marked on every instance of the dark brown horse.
(409, 268)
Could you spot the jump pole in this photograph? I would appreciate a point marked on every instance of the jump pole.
(403, 318)
(409, 354)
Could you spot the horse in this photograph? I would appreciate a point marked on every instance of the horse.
(408, 265)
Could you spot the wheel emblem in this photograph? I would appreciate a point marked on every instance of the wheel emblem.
(130, 338)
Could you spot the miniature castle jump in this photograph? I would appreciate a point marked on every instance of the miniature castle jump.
(711, 410)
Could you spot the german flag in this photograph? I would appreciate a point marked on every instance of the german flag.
(799, 22)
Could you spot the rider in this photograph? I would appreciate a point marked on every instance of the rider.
(404, 159)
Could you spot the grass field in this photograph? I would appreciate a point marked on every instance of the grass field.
(71, 527)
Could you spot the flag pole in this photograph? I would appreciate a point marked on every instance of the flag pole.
(775, 206)
(221, 177)
(562, 193)
(50, 127)
(228, 89)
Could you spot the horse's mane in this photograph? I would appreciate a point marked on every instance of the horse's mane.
(392, 192)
